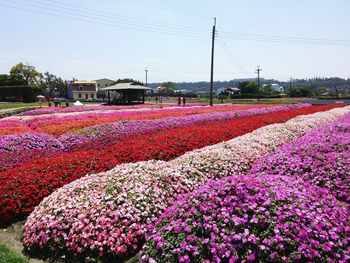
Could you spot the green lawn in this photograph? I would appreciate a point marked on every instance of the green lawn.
(8, 256)
(264, 102)
(11, 105)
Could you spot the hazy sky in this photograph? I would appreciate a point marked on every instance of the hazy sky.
(116, 39)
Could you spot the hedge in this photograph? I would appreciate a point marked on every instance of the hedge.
(19, 93)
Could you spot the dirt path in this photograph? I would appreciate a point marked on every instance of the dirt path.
(11, 237)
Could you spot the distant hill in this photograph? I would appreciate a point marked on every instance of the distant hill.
(315, 83)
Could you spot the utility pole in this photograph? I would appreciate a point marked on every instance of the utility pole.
(258, 72)
(146, 70)
(212, 64)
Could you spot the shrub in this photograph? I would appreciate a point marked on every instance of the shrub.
(22, 93)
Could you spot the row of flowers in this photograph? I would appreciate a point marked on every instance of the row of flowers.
(8, 127)
(124, 129)
(322, 157)
(286, 209)
(107, 134)
(53, 110)
(127, 111)
(59, 123)
(105, 215)
(23, 187)
(58, 126)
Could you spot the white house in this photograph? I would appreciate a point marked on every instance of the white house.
(87, 89)
(103, 83)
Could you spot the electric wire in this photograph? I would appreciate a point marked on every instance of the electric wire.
(103, 21)
(84, 14)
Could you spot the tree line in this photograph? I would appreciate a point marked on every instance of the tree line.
(25, 82)
(315, 87)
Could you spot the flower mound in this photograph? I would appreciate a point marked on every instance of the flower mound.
(264, 218)
(321, 157)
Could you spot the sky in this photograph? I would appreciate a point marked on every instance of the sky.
(114, 39)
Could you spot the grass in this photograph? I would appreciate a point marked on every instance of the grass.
(263, 102)
(9, 256)
(11, 105)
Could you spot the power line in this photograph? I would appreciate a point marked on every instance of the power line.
(117, 15)
(224, 47)
(183, 12)
(81, 13)
(101, 17)
(285, 39)
(103, 21)
(282, 37)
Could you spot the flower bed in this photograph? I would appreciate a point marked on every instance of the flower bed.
(61, 123)
(321, 157)
(58, 123)
(8, 127)
(254, 218)
(9, 160)
(102, 136)
(105, 215)
(52, 110)
(25, 186)
(117, 131)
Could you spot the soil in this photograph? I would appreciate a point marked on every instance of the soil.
(11, 237)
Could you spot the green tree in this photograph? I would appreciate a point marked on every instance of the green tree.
(25, 74)
(7, 80)
(321, 91)
(168, 88)
(268, 90)
(248, 87)
(300, 92)
(51, 83)
(127, 80)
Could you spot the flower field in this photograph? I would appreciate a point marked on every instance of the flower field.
(196, 184)
(25, 185)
